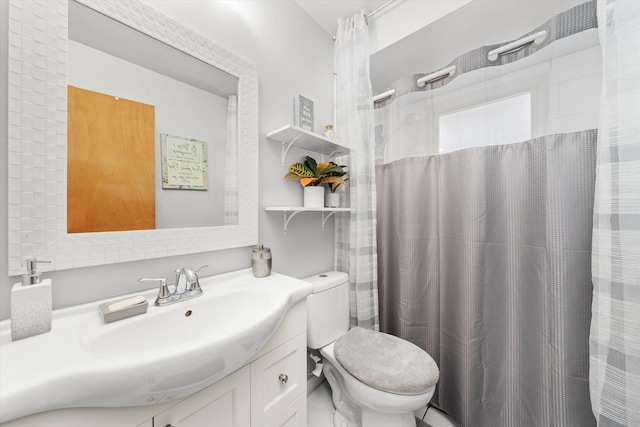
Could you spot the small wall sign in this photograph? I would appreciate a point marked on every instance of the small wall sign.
(303, 112)
(184, 163)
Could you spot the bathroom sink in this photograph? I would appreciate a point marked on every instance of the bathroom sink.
(167, 353)
(203, 319)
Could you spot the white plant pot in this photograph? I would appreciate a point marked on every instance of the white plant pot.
(314, 197)
(332, 200)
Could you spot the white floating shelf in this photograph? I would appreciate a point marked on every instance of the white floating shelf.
(288, 212)
(290, 136)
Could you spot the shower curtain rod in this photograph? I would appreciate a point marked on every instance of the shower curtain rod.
(384, 95)
(421, 82)
(366, 17)
(536, 39)
(378, 9)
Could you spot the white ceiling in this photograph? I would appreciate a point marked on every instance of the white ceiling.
(327, 12)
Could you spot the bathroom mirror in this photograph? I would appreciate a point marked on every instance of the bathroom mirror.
(41, 40)
(122, 81)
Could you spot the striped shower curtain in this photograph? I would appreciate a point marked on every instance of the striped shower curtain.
(484, 261)
(355, 232)
(484, 253)
(615, 328)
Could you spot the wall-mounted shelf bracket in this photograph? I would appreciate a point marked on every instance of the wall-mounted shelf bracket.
(326, 216)
(287, 216)
(289, 212)
(287, 146)
(333, 154)
(293, 136)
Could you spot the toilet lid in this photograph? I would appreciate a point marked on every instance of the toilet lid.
(386, 362)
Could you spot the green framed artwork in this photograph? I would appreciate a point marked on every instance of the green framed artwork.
(184, 163)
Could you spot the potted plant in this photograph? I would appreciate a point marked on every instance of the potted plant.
(312, 176)
(334, 179)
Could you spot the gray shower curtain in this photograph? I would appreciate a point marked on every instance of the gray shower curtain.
(484, 262)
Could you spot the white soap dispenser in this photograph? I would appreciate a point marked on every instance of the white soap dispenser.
(31, 304)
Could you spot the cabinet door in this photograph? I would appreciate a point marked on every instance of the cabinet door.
(277, 379)
(294, 416)
(223, 404)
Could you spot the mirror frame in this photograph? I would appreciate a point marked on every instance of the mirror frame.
(37, 139)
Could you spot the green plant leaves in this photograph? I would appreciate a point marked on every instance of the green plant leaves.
(312, 173)
(298, 170)
(335, 171)
(311, 164)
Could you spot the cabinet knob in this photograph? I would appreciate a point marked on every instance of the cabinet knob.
(169, 425)
(283, 378)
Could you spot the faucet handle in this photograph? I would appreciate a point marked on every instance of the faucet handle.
(195, 285)
(201, 268)
(163, 292)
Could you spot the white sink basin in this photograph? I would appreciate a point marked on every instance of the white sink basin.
(167, 353)
(198, 320)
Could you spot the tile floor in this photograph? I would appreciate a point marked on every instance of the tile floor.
(319, 407)
(320, 411)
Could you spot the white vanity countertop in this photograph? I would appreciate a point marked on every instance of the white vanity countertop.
(154, 357)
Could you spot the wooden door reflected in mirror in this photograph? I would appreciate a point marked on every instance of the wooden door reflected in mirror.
(111, 174)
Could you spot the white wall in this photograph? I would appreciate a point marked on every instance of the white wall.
(403, 18)
(294, 56)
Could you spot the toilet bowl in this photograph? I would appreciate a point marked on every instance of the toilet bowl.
(362, 377)
(368, 406)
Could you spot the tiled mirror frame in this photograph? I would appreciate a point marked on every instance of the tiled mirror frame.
(37, 134)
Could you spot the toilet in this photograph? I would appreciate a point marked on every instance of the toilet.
(376, 379)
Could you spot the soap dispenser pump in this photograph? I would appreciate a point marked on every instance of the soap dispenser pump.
(31, 304)
(32, 277)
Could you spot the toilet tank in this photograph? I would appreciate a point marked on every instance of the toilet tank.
(327, 308)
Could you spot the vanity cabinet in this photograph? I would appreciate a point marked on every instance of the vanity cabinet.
(277, 379)
(225, 403)
(295, 415)
(269, 391)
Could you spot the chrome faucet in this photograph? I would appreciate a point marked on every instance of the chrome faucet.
(192, 284)
(192, 287)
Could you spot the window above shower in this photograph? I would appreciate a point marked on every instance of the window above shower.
(553, 90)
(499, 122)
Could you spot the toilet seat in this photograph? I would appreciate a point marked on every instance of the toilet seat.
(386, 362)
(370, 397)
